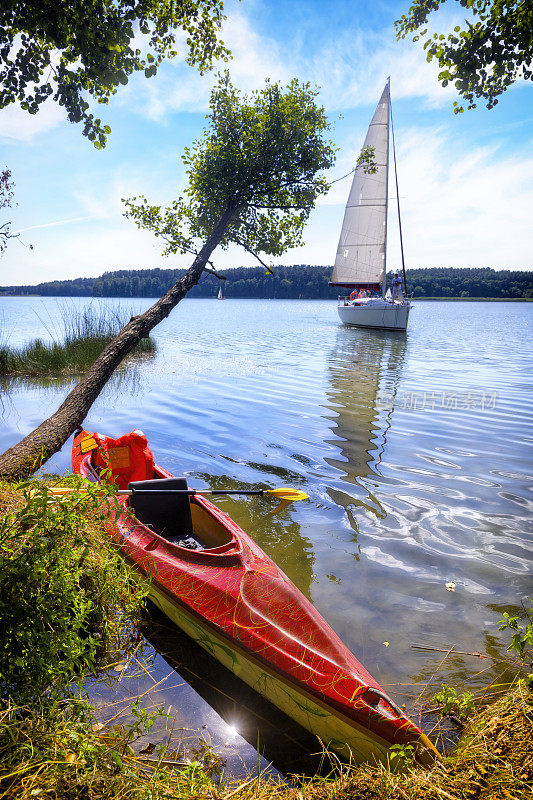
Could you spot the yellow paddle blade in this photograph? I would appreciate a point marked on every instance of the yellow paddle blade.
(285, 493)
(64, 490)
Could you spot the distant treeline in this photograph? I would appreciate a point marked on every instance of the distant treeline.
(298, 282)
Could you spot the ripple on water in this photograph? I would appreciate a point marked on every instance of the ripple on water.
(415, 451)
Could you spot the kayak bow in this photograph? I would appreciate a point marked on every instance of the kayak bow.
(211, 579)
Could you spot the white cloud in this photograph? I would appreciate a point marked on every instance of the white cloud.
(465, 208)
(460, 207)
(100, 194)
(119, 246)
(56, 223)
(98, 238)
(82, 251)
(18, 125)
(352, 72)
(255, 57)
(351, 68)
(178, 88)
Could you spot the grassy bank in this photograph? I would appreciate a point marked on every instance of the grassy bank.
(66, 754)
(85, 334)
(70, 608)
(493, 761)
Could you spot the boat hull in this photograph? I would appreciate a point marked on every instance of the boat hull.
(234, 602)
(394, 318)
(333, 729)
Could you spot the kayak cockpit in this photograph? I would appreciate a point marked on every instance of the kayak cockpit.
(160, 502)
(164, 506)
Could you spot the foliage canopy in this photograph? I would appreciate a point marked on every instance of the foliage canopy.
(259, 161)
(89, 47)
(483, 57)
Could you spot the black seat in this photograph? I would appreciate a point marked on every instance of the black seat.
(168, 514)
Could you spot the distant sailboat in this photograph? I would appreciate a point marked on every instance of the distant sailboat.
(220, 295)
(361, 261)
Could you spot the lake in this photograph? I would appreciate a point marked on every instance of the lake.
(415, 450)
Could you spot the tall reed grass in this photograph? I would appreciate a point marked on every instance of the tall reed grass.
(85, 335)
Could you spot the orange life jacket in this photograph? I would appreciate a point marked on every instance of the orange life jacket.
(129, 457)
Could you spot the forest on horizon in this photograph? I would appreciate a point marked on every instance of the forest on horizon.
(295, 282)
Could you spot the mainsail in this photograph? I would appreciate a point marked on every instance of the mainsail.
(360, 259)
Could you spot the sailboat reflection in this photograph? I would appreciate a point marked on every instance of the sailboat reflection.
(238, 708)
(365, 371)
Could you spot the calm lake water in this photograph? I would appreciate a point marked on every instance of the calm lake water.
(415, 450)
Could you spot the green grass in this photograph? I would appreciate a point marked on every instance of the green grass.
(86, 333)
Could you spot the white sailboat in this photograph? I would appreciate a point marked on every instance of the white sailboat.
(220, 295)
(361, 260)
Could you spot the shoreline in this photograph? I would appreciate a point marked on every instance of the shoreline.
(493, 757)
(270, 299)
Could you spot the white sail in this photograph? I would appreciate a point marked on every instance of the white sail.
(360, 256)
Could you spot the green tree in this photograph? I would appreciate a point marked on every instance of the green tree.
(74, 48)
(256, 167)
(253, 179)
(486, 54)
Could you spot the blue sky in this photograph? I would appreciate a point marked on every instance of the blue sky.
(466, 181)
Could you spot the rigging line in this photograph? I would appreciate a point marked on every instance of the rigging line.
(398, 200)
(343, 177)
(387, 162)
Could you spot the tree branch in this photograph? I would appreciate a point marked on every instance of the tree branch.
(254, 254)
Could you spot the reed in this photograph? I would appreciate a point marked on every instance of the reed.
(84, 336)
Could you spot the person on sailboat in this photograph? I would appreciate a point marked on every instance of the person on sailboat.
(397, 293)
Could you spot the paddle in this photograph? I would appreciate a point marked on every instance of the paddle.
(284, 493)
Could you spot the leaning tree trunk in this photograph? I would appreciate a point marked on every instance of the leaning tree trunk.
(36, 448)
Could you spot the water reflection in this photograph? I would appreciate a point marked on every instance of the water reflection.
(278, 534)
(241, 711)
(364, 370)
(126, 378)
(25, 401)
(418, 488)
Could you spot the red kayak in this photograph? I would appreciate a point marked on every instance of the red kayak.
(215, 583)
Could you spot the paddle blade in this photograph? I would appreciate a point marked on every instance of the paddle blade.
(280, 507)
(285, 493)
(60, 491)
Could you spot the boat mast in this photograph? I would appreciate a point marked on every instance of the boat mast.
(398, 201)
(384, 283)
